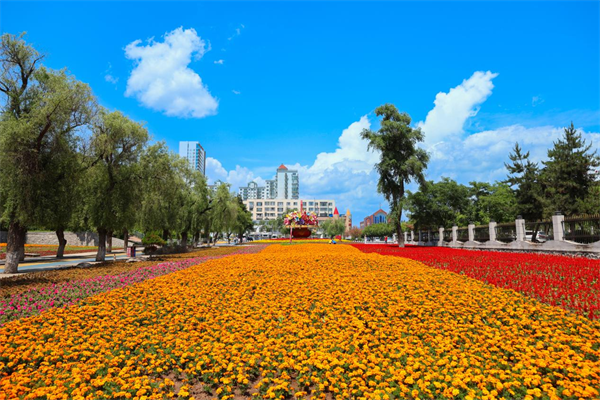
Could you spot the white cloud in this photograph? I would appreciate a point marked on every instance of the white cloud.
(111, 79)
(535, 100)
(238, 32)
(161, 79)
(220, 62)
(447, 118)
(240, 176)
(236, 92)
(481, 156)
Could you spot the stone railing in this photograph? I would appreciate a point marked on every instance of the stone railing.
(522, 235)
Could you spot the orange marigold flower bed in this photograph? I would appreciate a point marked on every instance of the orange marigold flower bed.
(305, 321)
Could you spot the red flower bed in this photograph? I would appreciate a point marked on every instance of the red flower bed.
(572, 283)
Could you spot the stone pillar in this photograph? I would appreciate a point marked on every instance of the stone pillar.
(557, 226)
(405, 237)
(471, 229)
(441, 238)
(365, 239)
(520, 228)
(454, 234)
(493, 231)
(412, 236)
(420, 239)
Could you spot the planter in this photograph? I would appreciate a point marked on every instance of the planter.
(301, 232)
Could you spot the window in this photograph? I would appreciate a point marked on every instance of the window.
(259, 204)
(280, 203)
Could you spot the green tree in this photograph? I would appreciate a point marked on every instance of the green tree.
(223, 211)
(163, 190)
(379, 230)
(355, 232)
(243, 222)
(569, 172)
(525, 181)
(196, 206)
(435, 204)
(401, 161)
(333, 227)
(112, 185)
(42, 112)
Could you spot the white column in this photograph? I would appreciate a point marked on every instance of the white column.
(471, 228)
(493, 231)
(520, 228)
(557, 226)
(441, 238)
(454, 233)
(412, 236)
(405, 237)
(420, 239)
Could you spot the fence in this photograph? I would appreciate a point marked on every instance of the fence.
(481, 233)
(580, 233)
(506, 233)
(582, 229)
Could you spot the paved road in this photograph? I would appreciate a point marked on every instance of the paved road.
(50, 262)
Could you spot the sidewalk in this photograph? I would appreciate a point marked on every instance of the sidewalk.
(51, 262)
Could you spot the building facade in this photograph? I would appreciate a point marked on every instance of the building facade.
(378, 217)
(195, 154)
(285, 186)
(267, 209)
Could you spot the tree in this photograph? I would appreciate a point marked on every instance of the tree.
(333, 227)
(569, 172)
(491, 202)
(112, 183)
(243, 222)
(524, 180)
(223, 211)
(42, 112)
(380, 230)
(196, 206)
(443, 203)
(355, 232)
(401, 161)
(164, 190)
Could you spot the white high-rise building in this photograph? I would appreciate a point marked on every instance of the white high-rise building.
(195, 155)
(285, 185)
(288, 186)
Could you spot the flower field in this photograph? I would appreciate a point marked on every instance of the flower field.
(303, 321)
(572, 283)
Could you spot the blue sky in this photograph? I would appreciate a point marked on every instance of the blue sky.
(260, 84)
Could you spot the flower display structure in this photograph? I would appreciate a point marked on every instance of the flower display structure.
(300, 219)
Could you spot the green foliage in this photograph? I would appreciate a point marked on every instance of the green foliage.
(379, 230)
(153, 239)
(243, 222)
(401, 160)
(113, 183)
(525, 181)
(333, 227)
(568, 173)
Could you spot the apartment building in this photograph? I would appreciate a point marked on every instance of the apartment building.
(195, 154)
(267, 209)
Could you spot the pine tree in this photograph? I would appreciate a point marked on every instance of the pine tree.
(569, 172)
(524, 177)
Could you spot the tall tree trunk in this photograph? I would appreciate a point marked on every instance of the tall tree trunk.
(15, 242)
(62, 242)
(101, 244)
(399, 230)
(125, 239)
(196, 238)
(184, 239)
(165, 235)
(109, 235)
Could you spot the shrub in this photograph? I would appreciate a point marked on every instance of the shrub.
(153, 239)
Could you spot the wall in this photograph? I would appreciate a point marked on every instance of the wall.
(73, 238)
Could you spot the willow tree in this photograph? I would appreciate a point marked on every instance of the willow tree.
(112, 184)
(401, 160)
(39, 120)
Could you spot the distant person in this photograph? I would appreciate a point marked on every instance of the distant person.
(332, 241)
(386, 240)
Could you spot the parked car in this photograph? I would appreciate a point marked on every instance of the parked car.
(541, 237)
